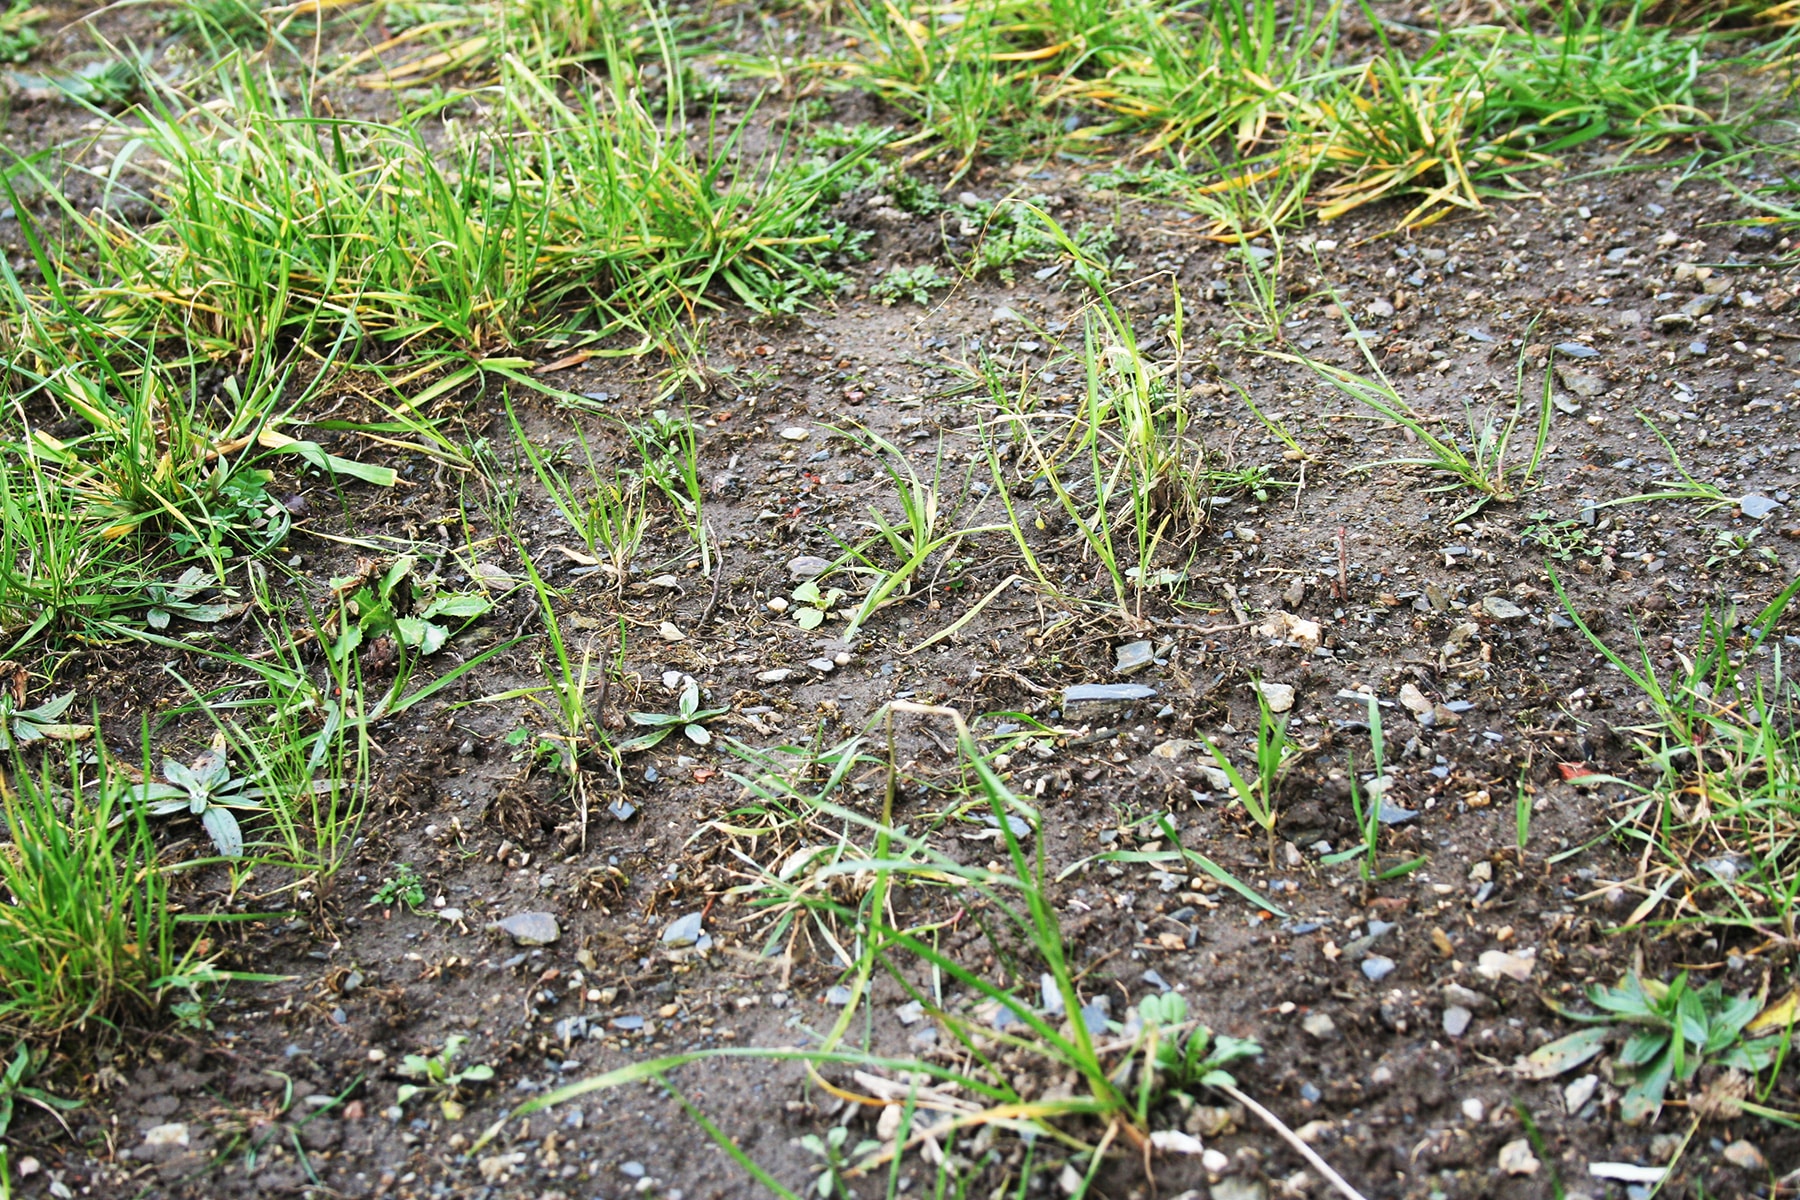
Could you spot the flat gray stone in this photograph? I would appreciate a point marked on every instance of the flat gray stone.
(1757, 507)
(683, 931)
(807, 566)
(1577, 350)
(1456, 1020)
(1134, 657)
(1101, 696)
(530, 928)
(1320, 1025)
(778, 675)
(1502, 609)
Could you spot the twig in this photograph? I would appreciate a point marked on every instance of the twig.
(1291, 1138)
(712, 605)
(1343, 579)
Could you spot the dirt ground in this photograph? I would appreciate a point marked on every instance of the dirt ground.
(1654, 303)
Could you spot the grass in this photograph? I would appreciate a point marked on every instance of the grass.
(1483, 458)
(1720, 813)
(90, 935)
(1123, 1074)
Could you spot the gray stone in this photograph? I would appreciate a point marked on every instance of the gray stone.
(1577, 350)
(823, 666)
(1585, 384)
(1757, 507)
(1502, 609)
(1134, 657)
(683, 931)
(806, 566)
(530, 928)
(1099, 697)
(1467, 997)
(1456, 1020)
(1745, 1157)
(1377, 967)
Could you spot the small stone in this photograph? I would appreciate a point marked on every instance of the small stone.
(163, 1137)
(1133, 657)
(807, 566)
(1098, 697)
(1745, 1157)
(1757, 507)
(1279, 696)
(1456, 1020)
(530, 928)
(1675, 320)
(684, 931)
(1172, 749)
(1458, 995)
(1377, 967)
(1579, 1093)
(1173, 1141)
(1294, 630)
(669, 633)
(778, 675)
(1005, 316)
(1498, 964)
(1502, 609)
(1236, 1187)
(1516, 1158)
(1577, 350)
(1415, 701)
(795, 433)
(29, 1166)
(1474, 1109)
(777, 604)
(1215, 1161)
(823, 666)
(1583, 383)
(1320, 1026)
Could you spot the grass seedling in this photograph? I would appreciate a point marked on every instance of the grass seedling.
(16, 1085)
(609, 517)
(1274, 754)
(834, 1159)
(668, 452)
(1368, 813)
(1483, 462)
(1684, 488)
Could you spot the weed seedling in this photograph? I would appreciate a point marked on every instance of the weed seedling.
(909, 283)
(402, 887)
(16, 1085)
(814, 605)
(835, 1161)
(22, 726)
(207, 789)
(439, 1078)
(1368, 813)
(1671, 1030)
(688, 717)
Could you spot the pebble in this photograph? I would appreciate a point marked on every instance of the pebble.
(1745, 1157)
(1235, 1187)
(1279, 696)
(1757, 507)
(1583, 383)
(669, 633)
(1474, 1109)
(1579, 1093)
(806, 566)
(1456, 1020)
(823, 666)
(777, 604)
(1133, 657)
(778, 675)
(795, 433)
(1005, 316)
(1498, 964)
(1377, 967)
(685, 930)
(1320, 1026)
(164, 1136)
(1577, 350)
(1516, 1158)
(530, 928)
(1502, 609)
(1101, 696)
(1466, 997)
(1215, 1161)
